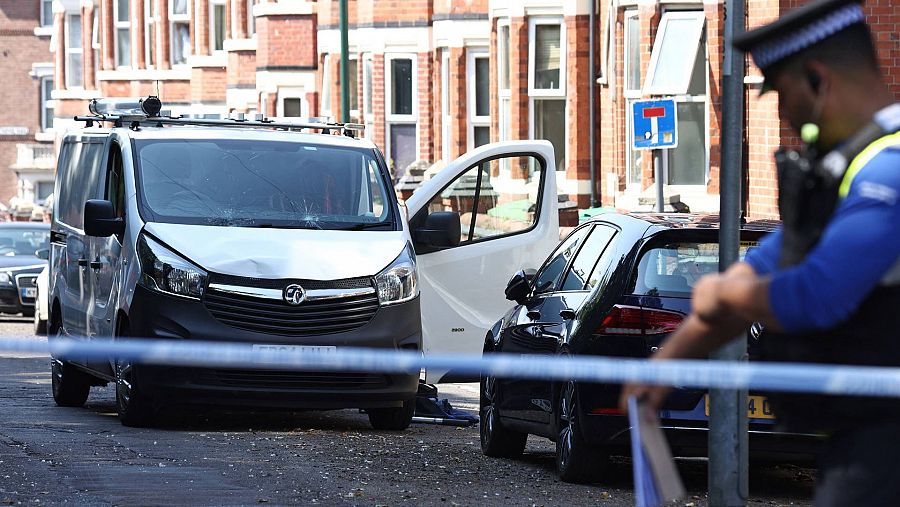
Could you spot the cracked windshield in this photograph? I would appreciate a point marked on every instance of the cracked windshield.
(248, 183)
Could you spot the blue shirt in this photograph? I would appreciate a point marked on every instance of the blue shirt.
(858, 247)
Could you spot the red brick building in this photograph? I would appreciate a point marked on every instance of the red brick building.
(26, 115)
(434, 78)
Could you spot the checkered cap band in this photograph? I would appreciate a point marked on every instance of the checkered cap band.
(768, 53)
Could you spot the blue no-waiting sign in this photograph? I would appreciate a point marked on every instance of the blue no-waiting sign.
(654, 124)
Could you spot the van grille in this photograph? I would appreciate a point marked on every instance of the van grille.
(279, 318)
(275, 380)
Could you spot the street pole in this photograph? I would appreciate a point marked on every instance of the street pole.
(658, 174)
(728, 430)
(345, 64)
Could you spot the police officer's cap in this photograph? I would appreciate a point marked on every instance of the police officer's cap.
(797, 30)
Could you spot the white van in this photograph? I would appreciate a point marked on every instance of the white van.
(279, 236)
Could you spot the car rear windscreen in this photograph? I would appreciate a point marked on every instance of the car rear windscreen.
(672, 269)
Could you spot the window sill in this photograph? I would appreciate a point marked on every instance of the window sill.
(46, 136)
(43, 31)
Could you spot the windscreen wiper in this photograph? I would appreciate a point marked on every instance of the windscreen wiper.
(366, 225)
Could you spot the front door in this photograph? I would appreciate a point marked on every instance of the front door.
(505, 194)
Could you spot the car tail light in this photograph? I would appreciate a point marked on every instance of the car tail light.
(636, 321)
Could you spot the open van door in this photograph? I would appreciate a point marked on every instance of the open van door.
(505, 195)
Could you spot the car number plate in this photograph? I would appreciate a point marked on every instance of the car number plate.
(306, 349)
(757, 407)
(29, 292)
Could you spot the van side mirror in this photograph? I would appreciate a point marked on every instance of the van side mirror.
(100, 219)
(440, 230)
(43, 253)
(519, 286)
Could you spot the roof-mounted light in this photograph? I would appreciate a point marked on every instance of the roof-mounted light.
(149, 107)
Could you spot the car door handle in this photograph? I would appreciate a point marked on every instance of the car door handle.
(96, 265)
(83, 262)
(567, 313)
(533, 315)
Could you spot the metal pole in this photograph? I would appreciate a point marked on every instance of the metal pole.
(592, 83)
(345, 64)
(728, 430)
(658, 172)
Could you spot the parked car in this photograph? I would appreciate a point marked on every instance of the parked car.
(20, 263)
(615, 287)
(282, 237)
(41, 305)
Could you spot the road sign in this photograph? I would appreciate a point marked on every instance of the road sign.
(654, 124)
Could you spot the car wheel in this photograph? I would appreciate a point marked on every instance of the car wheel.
(71, 386)
(135, 407)
(496, 441)
(576, 460)
(392, 419)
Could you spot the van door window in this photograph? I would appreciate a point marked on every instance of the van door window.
(495, 198)
(79, 182)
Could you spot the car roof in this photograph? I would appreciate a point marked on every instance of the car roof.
(193, 132)
(656, 222)
(24, 225)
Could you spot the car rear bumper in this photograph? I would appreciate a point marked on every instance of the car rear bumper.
(158, 316)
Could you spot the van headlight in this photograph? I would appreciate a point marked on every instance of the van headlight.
(399, 282)
(165, 271)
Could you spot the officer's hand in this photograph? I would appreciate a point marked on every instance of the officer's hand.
(706, 302)
(652, 395)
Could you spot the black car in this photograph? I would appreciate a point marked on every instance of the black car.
(616, 286)
(20, 243)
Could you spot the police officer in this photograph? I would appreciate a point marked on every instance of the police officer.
(826, 285)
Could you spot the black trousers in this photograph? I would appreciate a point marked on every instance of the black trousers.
(860, 466)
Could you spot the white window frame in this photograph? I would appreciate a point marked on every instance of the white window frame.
(368, 107)
(532, 25)
(117, 26)
(400, 119)
(504, 103)
(354, 80)
(251, 20)
(45, 98)
(326, 109)
(292, 93)
(150, 22)
(629, 93)
(446, 119)
(70, 52)
(700, 18)
(212, 26)
(471, 89)
(46, 7)
(176, 19)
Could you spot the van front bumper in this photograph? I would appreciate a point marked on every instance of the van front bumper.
(159, 316)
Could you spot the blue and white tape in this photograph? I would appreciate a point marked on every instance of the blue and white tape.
(786, 377)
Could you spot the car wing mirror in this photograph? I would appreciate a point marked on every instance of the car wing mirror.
(100, 219)
(519, 286)
(441, 230)
(43, 253)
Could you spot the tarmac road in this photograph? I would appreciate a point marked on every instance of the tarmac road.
(52, 455)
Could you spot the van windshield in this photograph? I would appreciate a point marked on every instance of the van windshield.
(248, 183)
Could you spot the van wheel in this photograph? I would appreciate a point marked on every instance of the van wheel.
(392, 419)
(71, 386)
(576, 460)
(496, 441)
(135, 408)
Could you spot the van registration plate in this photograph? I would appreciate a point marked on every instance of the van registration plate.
(757, 407)
(305, 349)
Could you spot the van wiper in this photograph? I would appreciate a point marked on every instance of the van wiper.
(366, 225)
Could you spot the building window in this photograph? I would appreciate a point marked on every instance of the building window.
(251, 20)
(46, 12)
(217, 25)
(150, 33)
(479, 104)
(180, 30)
(291, 104)
(678, 67)
(122, 17)
(546, 57)
(367, 85)
(46, 109)
(42, 191)
(504, 93)
(446, 119)
(353, 83)
(74, 51)
(631, 87)
(546, 84)
(326, 86)
(400, 72)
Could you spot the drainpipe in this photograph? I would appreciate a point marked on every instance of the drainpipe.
(592, 81)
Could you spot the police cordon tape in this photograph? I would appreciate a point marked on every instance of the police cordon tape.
(785, 377)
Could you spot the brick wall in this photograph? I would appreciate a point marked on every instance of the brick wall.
(208, 84)
(578, 104)
(460, 7)
(286, 41)
(378, 99)
(241, 68)
(426, 109)
(458, 103)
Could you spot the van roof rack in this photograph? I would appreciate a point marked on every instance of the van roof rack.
(135, 112)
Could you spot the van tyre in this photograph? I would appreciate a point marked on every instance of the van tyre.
(135, 408)
(496, 441)
(392, 419)
(576, 461)
(71, 386)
